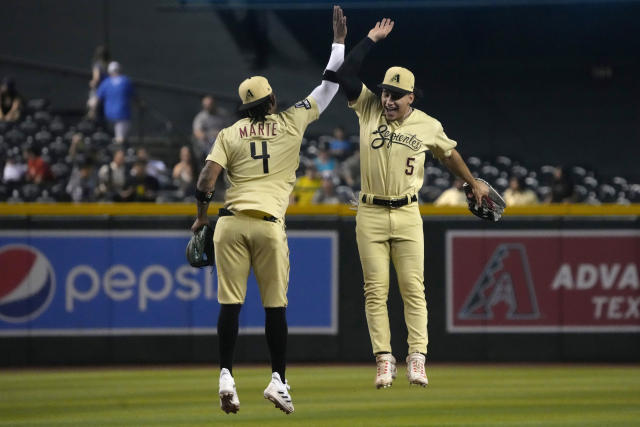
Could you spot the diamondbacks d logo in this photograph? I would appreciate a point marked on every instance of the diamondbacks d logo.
(396, 78)
(505, 279)
(249, 94)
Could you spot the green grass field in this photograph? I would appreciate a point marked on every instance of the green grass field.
(476, 395)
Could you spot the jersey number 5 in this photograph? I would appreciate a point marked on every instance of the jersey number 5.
(264, 156)
(409, 169)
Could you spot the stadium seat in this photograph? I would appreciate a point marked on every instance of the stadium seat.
(429, 193)
(546, 174)
(43, 137)
(57, 127)
(581, 193)
(519, 171)
(36, 104)
(30, 192)
(590, 182)
(14, 137)
(578, 173)
(500, 184)
(503, 163)
(101, 138)
(606, 193)
(86, 127)
(474, 163)
(29, 126)
(543, 192)
(60, 170)
(43, 118)
(489, 172)
(58, 149)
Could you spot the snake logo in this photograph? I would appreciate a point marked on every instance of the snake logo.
(505, 279)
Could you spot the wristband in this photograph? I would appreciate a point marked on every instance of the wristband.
(204, 197)
(330, 76)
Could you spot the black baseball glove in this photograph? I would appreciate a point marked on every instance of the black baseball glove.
(200, 248)
(492, 206)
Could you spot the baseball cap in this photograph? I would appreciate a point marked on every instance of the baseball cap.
(399, 80)
(253, 91)
(114, 67)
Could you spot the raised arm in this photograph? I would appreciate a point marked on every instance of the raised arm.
(324, 93)
(348, 74)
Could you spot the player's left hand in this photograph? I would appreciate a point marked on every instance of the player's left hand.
(339, 25)
(199, 223)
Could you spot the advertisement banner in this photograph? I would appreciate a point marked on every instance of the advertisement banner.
(543, 281)
(139, 282)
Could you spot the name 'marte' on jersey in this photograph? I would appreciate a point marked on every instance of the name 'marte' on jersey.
(392, 155)
(261, 159)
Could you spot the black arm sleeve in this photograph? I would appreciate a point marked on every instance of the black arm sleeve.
(348, 73)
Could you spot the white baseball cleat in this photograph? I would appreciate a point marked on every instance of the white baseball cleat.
(415, 369)
(386, 370)
(278, 393)
(229, 401)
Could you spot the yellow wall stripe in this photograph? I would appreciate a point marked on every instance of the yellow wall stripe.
(182, 209)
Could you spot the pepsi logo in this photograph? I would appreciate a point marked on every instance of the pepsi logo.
(27, 283)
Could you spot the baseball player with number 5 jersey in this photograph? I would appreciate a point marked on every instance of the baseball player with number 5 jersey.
(260, 153)
(394, 139)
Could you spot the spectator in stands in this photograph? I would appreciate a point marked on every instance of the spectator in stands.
(562, 187)
(518, 193)
(339, 146)
(349, 169)
(14, 171)
(113, 178)
(141, 187)
(101, 59)
(99, 66)
(206, 125)
(10, 101)
(83, 184)
(324, 163)
(326, 194)
(306, 186)
(183, 173)
(38, 170)
(80, 148)
(155, 167)
(116, 93)
(453, 196)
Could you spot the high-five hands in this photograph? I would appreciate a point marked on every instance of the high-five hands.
(339, 25)
(381, 30)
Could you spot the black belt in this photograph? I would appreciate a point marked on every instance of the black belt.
(227, 212)
(390, 203)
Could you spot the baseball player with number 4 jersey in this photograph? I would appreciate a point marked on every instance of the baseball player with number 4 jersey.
(394, 139)
(260, 153)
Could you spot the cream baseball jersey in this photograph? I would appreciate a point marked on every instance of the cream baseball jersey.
(261, 158)
(392, 155)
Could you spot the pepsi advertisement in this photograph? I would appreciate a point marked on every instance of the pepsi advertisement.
(66, 283)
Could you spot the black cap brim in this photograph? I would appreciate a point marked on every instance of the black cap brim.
(253, 104)
(394, 89)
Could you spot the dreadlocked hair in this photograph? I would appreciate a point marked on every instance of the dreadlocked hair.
(259, 113)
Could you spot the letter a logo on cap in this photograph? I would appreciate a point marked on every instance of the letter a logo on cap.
(249, 94)
(396, 78)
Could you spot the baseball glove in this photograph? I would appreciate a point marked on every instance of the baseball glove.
(200, 248)
(492, 206)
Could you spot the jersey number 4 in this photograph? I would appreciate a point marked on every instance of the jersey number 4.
(264, 156)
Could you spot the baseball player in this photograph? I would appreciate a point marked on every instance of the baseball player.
(261, 154)
(394, 138)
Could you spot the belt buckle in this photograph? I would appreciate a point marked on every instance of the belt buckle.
(395, 203)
